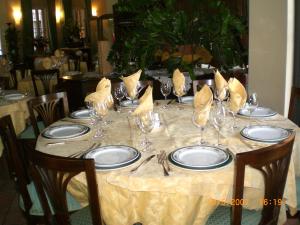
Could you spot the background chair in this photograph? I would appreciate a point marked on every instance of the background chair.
(50, 108)
(51, 175)
(4, 83)
(28, 200)
(23, 70)
(295, 95)
(45, 76)
(273, 162)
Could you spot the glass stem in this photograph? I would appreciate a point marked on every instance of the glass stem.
(201, 135)
(218, 136)
(165, 98)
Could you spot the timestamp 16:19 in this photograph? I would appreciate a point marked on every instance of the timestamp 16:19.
(274, 201)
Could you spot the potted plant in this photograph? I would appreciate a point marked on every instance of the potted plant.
(167, 37)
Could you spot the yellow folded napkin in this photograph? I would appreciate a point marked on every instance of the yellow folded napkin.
(47, 63)
(179, 82)
(102, 94)
(221, 85)
(202, 103)
(131, 83)
(238, 95)
(146, 103)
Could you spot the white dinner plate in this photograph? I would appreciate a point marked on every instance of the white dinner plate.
(113, 156)
(15, 96)
(65, 131)
(259, 112)
(200, 157)
(265, 133)
(187, 99)
(128, 103)
(81, 114)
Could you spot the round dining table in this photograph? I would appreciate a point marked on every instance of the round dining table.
(17, 109)
(185, 197)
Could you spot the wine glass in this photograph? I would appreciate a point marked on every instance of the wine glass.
(92, 112)
(146, 123)
(119, 95)
(200, 123)
(100, 110)
(182, 91)
(232, 111)
(134, 93)
(165, 89)
(218, 118)
(221, 95)
(252, 104)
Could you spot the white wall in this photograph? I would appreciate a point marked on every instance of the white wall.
(270, 56)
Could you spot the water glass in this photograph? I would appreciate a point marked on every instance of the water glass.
(100, 111)
(146, 123)
(182, 92)
(252, 103)
(218, 118)
(199, 124)
(165, 89)
(119, 95)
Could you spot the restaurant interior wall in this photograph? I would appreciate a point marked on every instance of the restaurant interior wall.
(270, 41)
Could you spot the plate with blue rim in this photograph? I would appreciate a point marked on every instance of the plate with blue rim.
(113, 156)
(65, 131)
(258, 112)
(189, 100)
(129, 103)
(265, 133)
(201, 157)
(81, 114)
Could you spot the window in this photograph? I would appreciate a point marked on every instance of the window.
(39, 19)
(79, 18)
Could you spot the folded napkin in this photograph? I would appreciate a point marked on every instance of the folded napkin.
(131, 83)
(238, 95)
(102, 94)
(145, 103)
(221, 85)
(202, 103)
(179, 82)
(47, 63)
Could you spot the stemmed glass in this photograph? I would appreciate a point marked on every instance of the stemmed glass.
(137, 90)
(165, 89)
(252, 104)
(200, 124)
(100, 110)
(119, 95)
(218, 118)
(182, 91)
(232, 111)
(90, 107)
(146, 124)
(221, 95)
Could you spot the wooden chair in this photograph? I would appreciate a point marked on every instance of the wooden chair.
(28, 200)
(273, 162)
(295, 94)
(18, 67)
(51, 176)
(45, 76)
(4, 83)
(198, 84)
(50, 108)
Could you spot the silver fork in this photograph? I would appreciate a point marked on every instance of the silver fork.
(160, 159)
(76, 154)
(165, 159)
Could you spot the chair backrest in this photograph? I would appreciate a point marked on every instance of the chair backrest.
(18, 67)
(45, 76)
(50, 108)
(295, 94)
(51, 176)
(15, 164)
(4, 83)
(198, 84)
(273, 162)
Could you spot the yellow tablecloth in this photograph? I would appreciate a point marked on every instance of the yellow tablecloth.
(185, 197)
(19, 114)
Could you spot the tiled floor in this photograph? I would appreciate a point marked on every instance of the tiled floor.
(10, 213)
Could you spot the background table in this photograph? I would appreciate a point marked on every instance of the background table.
(185, 197)
(18, 111)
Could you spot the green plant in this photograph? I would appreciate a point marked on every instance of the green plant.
(174, 38)
(71, 33)
(11, 38)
